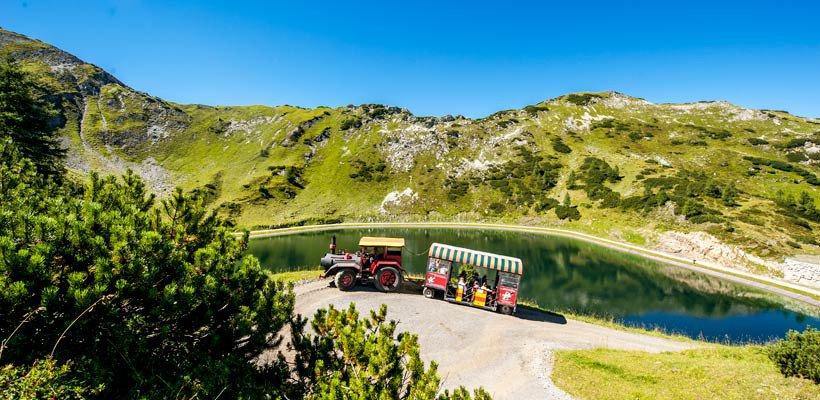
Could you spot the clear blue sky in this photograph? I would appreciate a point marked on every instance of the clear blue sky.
(435, 58)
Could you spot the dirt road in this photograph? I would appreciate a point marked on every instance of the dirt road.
(509, 355)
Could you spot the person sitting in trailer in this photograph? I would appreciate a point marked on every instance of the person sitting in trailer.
(472, 289)
(462, 283)
(490, 292)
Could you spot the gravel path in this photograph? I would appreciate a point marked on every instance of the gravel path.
(511, 356)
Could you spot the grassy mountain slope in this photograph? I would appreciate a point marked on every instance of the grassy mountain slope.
(604, 163)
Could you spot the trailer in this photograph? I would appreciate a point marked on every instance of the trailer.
(500, 295)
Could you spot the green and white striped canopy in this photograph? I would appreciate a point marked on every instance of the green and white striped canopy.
(477, 258)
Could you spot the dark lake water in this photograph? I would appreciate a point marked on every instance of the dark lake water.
(564, 274)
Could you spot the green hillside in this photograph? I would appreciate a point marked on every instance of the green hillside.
(603, 163)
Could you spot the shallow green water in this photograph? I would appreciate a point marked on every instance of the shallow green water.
(566, 274)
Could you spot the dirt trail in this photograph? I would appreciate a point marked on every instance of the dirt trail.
(509, 355)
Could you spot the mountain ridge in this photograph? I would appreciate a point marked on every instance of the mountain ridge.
(604, 163)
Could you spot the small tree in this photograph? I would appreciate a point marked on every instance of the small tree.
(353, 358)
(145, 299)
(798, 354)
(28, 120)
(43, 380)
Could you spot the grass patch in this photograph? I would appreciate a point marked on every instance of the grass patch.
(724, 372)
(296, 276)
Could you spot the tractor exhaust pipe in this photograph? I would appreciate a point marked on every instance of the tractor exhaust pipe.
(333, 244)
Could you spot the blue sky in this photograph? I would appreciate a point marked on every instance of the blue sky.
(436, 58)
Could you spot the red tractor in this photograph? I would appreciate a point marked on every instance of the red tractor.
(378, 258)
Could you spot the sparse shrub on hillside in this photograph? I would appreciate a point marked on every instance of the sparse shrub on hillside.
(366, 172)
(210, 191)
(687, 190)
(559, 146)
(757, 141)
(456, 188)
(697, 213)
(219, 126)
(597, 171)
(606, 123)
(534, 110)
(350, 122)
(797, 156)
(798, 354)
(804, 206)
(507, 122)
(523, 180)
(711, 133)
(797, 142)
(728, 195)
(496, 208)
(594, 172)
(809, 176)
(376, 111)
(546, 204)
(635, 136)
(566, 210)
(581, 99)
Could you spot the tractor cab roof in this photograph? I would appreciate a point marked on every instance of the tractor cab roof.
(368, 241)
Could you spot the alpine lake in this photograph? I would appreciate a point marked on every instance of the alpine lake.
(562, 274)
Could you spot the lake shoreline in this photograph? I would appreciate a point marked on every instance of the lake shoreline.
(783, 288)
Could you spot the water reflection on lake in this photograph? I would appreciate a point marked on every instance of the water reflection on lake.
(566, 274)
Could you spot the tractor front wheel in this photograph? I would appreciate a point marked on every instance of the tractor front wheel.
(388, 279)
(506, 310)
(345, 280)
(428, 293)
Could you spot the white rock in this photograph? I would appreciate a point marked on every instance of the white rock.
(705, 247)
(662, 161)
(802, 271)
(398, 199)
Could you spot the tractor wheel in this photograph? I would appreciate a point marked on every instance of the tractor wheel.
(388, 279)
(506, 310)
(428, 293)
(345, 280)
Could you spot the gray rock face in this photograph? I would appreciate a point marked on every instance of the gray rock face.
(87, 78)
(802, 271)
(83, 83)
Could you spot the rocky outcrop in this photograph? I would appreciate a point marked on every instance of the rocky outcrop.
(701, 246)
(67, 68)
(396, 200)
(803, 270)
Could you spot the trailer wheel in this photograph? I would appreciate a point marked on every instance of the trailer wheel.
(388, 279)
(506, 310)
(345, 280)
(428, 293)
